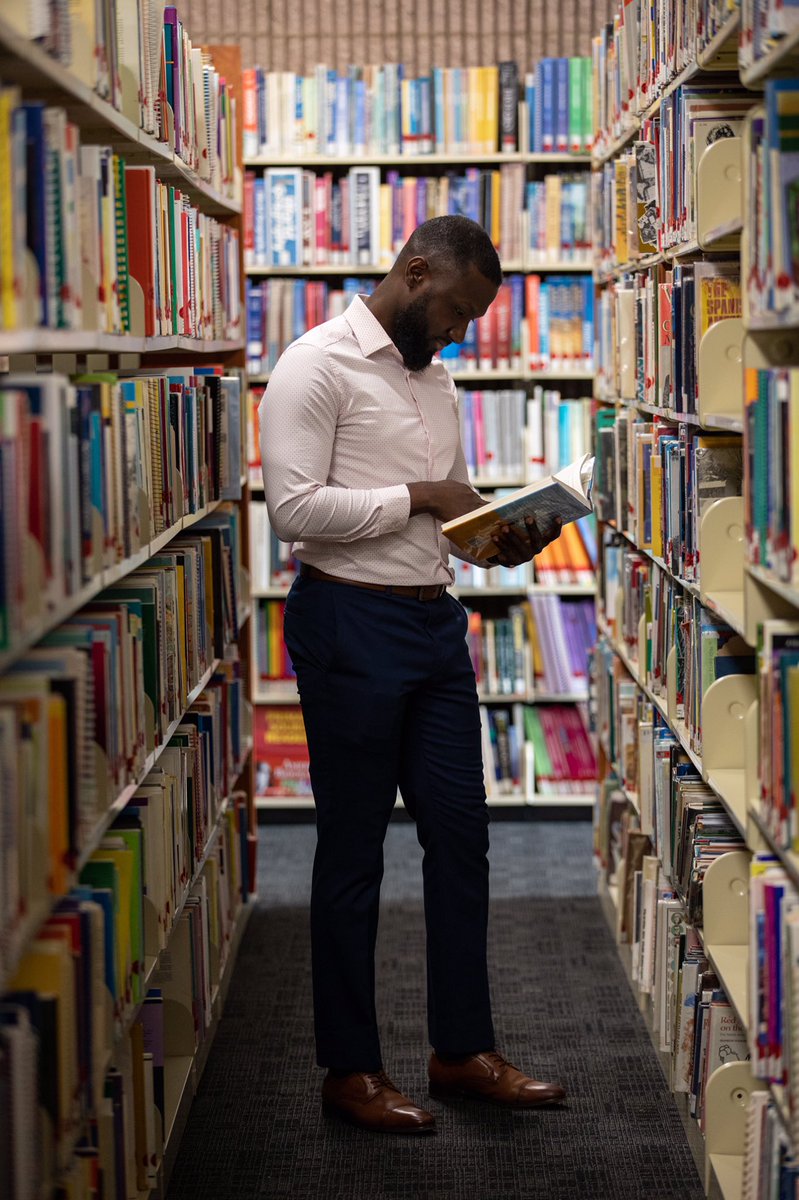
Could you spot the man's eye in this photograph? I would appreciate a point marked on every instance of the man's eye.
(459, 312)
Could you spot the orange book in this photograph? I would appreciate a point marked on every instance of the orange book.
(532, 286)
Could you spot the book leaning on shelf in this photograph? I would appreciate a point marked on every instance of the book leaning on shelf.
(566, 494)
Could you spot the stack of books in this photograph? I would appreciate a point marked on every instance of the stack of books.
(271, 655)
(559, 98)
(772, 279)
(561, 757)
(558, 219)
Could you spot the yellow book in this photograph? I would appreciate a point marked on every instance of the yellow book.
(656, 485)
(533, 639)
(621, 241)
(59, 801)
(83, 41)
(473, 109)
(405, 99)
(48, 968)
(139, 1114)
(386, 255)
(492, 110)
(8, 299)
(552, 208)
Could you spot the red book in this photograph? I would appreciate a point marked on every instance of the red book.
(280, 752)
(140, 188)
(532, 285)
(249, 213)
(501, 311)
(486, 340)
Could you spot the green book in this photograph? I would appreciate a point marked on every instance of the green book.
(534, 733)
(576, 105)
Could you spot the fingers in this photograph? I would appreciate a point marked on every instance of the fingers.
(516, 547)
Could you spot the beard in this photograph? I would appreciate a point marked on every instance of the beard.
(411, 336)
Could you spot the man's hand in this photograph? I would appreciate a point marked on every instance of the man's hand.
(444, 498)
(514, 548)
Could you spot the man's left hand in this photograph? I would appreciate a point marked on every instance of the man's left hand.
(514, 547)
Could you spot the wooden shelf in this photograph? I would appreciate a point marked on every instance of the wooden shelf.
(88, 341)
(310, 161)
(104, 579)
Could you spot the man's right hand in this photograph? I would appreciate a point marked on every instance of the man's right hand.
(444, 498)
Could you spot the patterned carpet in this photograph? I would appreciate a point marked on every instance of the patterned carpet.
(562, 1010)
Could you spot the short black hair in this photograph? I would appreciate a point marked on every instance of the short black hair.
(458, 241)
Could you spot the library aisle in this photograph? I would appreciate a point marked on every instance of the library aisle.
(562, 1008)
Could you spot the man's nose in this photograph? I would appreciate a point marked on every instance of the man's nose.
(458, 332)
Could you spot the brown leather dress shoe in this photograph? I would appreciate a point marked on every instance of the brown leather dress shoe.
(489, 1076)
(371, 1101)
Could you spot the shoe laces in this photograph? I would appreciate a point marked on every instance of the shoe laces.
(379, 1079)
(497, 1060)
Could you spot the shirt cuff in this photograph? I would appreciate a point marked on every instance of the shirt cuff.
(395, 504)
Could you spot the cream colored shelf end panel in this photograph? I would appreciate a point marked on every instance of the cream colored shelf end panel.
(726, 1101)
(725, 707)
(726, 925)
(718, 191)
(727, 1169)
(719, 375)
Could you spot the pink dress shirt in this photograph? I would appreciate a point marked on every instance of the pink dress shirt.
(344, 428)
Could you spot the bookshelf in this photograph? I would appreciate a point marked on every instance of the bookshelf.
(571, 378)
(680, 733)
(154, 592)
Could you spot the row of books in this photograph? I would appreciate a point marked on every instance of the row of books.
(542, 643)
(84, 712)
(271, 654)
(95, 468)
(545, 750)
(694, 1021)
(544, 322)
(559, 750)
(707, 648)
(296, 217)
(772, 259)
(637, 54)
(650, 327)
(656, 480)
(771, 492)
(764, 26)
(93, 1097)
(371, 110)
(769, 1169)
(645, 200)
(91, 242)
(508, 435)
(140, 59)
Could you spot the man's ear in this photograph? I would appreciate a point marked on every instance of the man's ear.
(417, 271)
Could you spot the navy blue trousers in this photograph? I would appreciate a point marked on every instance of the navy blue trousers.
(389, 700)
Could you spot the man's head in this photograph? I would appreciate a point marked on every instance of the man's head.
(446, 274)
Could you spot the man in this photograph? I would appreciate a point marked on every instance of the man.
(362, 462)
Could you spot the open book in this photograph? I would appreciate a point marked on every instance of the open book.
(564, 494)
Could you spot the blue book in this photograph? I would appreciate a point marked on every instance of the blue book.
(459, 107)
(439, 121)
(284, 216)
(359, 131)
(421, 200)
(548, 112)
(330, 112)
(516, 319)
(469, 346)
(299, 308)
(588, 317)
(36, 214)
(533, 125)
(255, 326)
(561, 104)
(341, 126)
(425, 114)
(261, 112)
(259, 221)
(543, 323)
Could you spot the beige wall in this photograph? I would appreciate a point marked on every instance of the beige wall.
(296, 34)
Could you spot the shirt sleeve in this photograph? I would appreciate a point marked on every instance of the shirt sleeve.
(298, 416)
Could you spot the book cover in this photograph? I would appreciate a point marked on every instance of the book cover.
(280, 752)
(565, 494)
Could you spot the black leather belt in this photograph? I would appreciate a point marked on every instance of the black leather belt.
(424, 591)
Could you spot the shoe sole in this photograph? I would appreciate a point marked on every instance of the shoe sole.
(330, 1110)
(455, 1096)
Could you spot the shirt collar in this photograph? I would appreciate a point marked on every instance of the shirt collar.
(369, 332)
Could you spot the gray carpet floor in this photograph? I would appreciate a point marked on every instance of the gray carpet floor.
(562, 1010)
